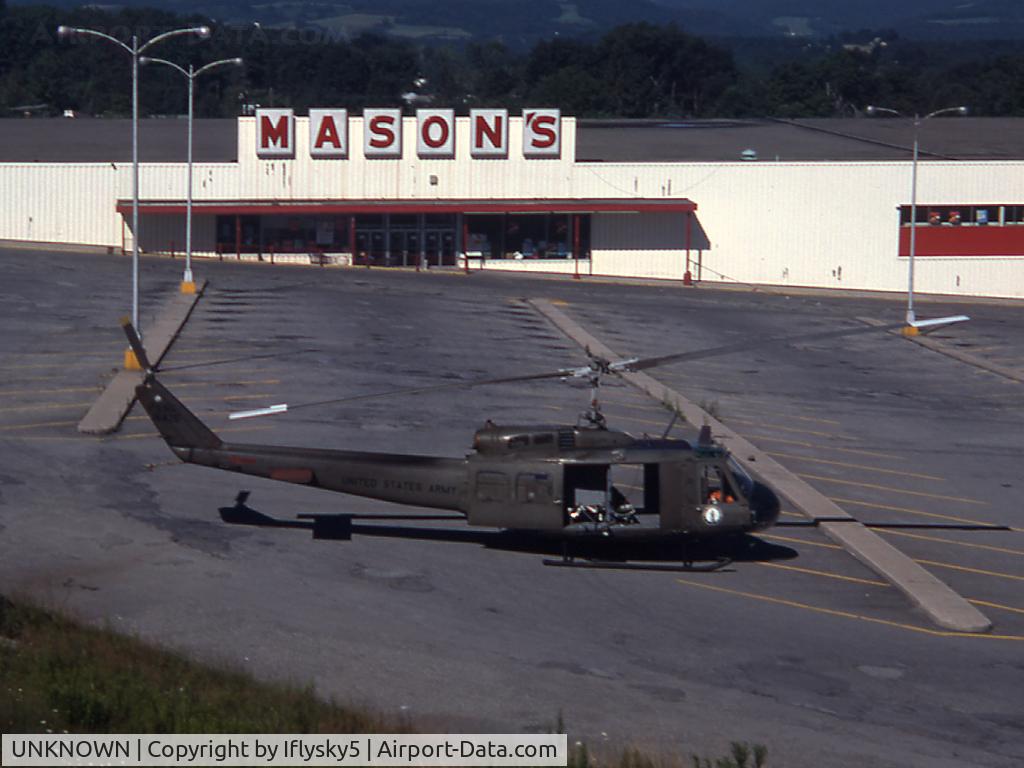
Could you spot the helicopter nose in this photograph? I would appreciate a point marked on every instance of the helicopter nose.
(764, 506)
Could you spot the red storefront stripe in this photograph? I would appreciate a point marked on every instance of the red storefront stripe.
(964, 241)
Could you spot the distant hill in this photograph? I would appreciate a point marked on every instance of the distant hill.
(918, 19)
(514, 22)
(520, 24)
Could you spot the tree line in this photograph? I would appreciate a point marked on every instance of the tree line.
(637, 70)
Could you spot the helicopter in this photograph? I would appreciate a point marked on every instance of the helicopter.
(553, 482)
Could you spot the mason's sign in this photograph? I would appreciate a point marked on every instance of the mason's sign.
(382, 133)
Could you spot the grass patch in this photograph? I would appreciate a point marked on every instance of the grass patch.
(57, 675)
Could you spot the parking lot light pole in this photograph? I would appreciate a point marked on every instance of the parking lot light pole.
(188, 284)
(910, 329)
(135, 50)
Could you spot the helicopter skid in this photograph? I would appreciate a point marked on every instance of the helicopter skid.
(709, 567)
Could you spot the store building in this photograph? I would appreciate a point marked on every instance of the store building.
(819, 203)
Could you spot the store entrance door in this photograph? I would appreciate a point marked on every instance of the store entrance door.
(370, 247)
(440, 247)
(405, 248)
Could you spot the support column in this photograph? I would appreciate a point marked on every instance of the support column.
(687, 275)
(576, 244)
(421, 222)
(352, 238)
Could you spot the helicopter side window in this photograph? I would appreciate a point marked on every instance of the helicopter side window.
(491, 486)
(518, 441)
(544, 438)
(533, 488)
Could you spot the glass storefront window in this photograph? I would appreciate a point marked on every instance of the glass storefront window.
(395, 239)
(526, 236)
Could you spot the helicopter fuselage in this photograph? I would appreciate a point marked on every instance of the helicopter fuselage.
(561, 480)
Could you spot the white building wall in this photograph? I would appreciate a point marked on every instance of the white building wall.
(820, 224)
(60, 203)
(812, 224)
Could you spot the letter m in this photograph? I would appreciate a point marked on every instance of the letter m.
(274, 134)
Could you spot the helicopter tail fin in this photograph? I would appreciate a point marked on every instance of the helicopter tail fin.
(178, 426)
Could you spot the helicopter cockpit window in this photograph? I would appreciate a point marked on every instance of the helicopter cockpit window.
(716, 487)
(491, 486)
(743, 480)
(518, 441)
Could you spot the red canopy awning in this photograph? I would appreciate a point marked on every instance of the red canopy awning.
(285, 207)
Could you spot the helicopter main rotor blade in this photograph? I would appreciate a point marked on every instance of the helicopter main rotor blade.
(640, 364)
(228, 360)
(600, 366)
(285, 407)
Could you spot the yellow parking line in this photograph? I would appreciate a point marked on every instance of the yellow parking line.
(834, 463)
(45, 407)
(77, 361)
(826, 574)
(791, 540)
(875, 583)
(628, 403)
(231, 398)
(844, 614)
(816, 433)
(999, 606)
(114, 350)
(59, 390)
(101, 372)
(12, 427)
(972, 545)
(910, 511)
(890, 489)
(813, 419)
(820, 447)
(966, 569)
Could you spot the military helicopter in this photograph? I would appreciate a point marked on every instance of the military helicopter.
(551, 481)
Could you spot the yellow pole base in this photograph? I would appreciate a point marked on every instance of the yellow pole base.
(131, 363)
(909, 330)
(188, 286)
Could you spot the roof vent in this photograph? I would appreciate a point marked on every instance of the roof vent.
(749, 154)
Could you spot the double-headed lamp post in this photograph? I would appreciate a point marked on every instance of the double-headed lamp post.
(188, 285)
(918, 120)
(135, 49)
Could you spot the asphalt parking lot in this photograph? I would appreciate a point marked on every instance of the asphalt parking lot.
(811, 654)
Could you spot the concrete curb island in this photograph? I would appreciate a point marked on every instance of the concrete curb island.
(113, 404)
(943, 606)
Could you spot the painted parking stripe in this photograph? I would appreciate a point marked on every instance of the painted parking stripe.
(890, 489)
(833, 462)
(847, 614)
(823, 447)
(969, 544)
